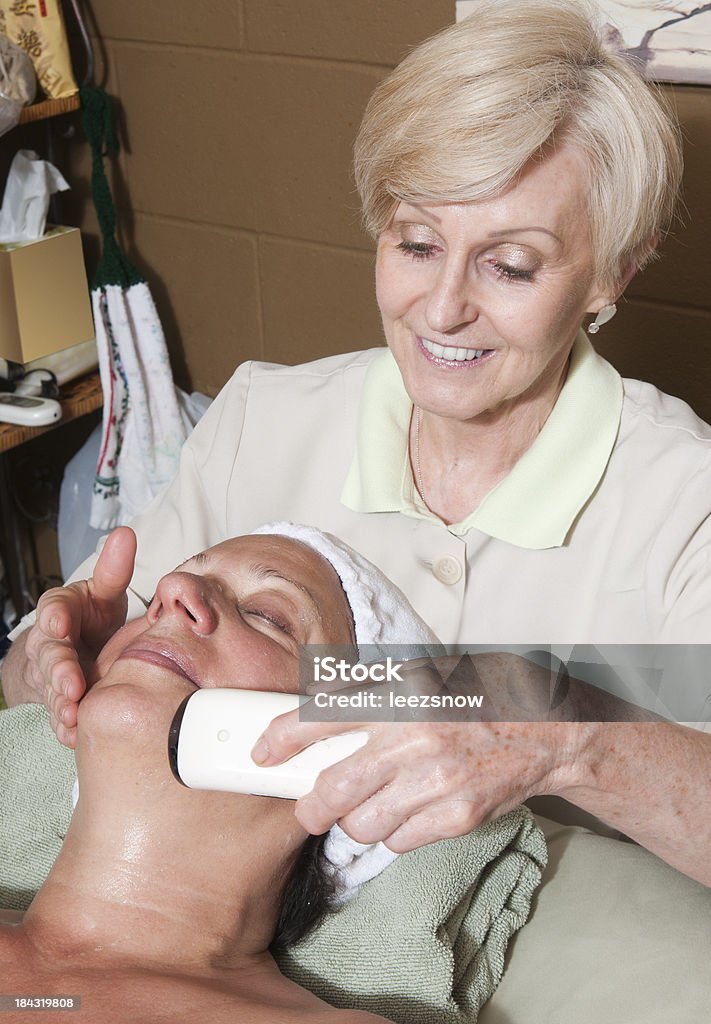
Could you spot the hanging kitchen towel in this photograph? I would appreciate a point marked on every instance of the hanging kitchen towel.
(144, 426)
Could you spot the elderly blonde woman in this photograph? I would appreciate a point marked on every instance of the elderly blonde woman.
(516, 176)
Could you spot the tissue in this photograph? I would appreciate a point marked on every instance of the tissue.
(30, 184)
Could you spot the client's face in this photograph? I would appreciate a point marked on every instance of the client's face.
(236, 615)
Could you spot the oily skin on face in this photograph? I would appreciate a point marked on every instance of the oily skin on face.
(237, 614)
(510, 277)
(233, 616)
(174, 894)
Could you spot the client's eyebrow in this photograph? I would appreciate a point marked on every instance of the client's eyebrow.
(265, 572)
(260, 574)
(200, 560)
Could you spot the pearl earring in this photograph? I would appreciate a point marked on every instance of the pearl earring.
(605, 314)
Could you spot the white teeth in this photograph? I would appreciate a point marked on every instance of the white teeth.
(451, 353)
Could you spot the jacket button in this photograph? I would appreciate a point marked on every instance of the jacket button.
(447, 570)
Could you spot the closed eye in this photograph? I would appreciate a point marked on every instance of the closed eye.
(416, 250)
(271, 619)
(510, 273)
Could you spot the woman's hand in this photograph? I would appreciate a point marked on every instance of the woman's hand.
(51, 662)
(417, 782)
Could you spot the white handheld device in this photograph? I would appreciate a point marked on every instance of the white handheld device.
(28, 411)
(214, 730)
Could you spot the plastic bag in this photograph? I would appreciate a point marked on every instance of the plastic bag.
(37, 27)
(17, 75)
(10, 111)
(18, 83)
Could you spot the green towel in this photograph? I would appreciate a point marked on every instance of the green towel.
(424, 942)
(36, 778)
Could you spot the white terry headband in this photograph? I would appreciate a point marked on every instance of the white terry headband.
(381, 612)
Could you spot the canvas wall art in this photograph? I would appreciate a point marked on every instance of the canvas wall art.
(670, 38)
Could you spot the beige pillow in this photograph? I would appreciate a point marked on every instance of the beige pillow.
(616, 936)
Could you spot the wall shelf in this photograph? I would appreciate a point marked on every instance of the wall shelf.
(49, 108)
(78, 397)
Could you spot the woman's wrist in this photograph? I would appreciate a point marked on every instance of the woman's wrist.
(593, 743)
(576, 746)
(582, 751)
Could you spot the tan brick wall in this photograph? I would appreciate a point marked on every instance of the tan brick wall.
(237, 200)
(234, 187)
(662, 332)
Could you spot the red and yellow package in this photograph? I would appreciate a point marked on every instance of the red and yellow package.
(37, 27)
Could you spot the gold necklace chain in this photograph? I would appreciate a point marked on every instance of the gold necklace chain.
(418, 471)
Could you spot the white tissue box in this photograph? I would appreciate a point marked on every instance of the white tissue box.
(44, 298)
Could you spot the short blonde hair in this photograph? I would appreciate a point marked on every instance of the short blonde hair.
(466, 110)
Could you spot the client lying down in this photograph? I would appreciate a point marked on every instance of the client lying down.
(164, 901)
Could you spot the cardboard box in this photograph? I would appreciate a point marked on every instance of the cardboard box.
(44, 297)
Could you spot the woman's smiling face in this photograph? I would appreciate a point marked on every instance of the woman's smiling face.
(481, 302)
(236, 615)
